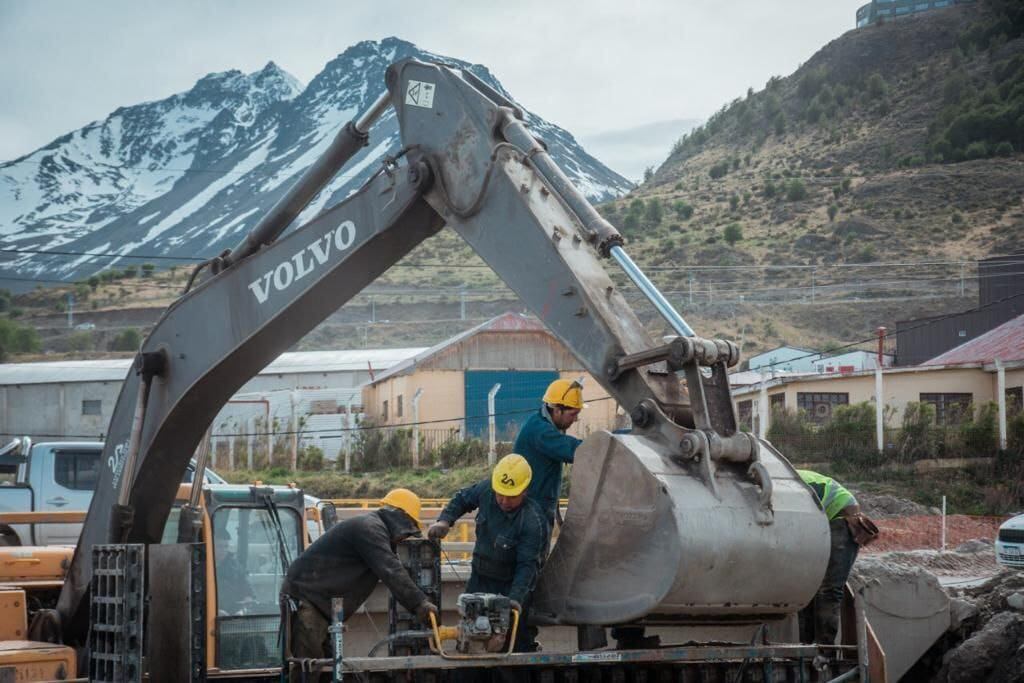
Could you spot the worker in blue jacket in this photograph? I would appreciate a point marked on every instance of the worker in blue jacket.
(546, 446)
(510, 537)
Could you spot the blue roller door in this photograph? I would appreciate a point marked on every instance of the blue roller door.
(519, 396)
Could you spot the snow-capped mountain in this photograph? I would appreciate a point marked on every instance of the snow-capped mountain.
(190, 174)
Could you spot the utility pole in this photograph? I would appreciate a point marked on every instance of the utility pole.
(690, 278)
(71, 310)
(814, 272)
(962, 288)
(462, 302)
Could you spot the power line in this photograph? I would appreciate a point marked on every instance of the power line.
(360, 428)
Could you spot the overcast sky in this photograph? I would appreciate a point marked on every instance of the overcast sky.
(589, 66)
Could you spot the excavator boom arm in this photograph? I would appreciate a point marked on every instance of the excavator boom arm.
(469, 162)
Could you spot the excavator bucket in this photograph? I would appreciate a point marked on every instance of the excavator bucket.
(647, 537)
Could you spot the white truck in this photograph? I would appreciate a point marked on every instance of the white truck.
(53, 477)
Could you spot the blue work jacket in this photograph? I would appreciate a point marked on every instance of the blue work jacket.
(509, 545)
(546, 448)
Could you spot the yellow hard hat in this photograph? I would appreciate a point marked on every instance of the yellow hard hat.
(511, 475)
(405, 500)
(565, 392)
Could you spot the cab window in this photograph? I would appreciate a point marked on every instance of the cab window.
(248, 558)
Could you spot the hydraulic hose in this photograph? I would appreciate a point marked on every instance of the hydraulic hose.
(395, 636)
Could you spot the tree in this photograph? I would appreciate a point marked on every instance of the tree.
(733, 233)
(654, 212)
(734, 202)
(648, 173)
(130, 271)
(769, 189)
(877, 87)
(147, 269)
(127, 340)
(94, 282)
(833, 209)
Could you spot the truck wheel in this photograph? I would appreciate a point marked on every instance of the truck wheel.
(8, 537)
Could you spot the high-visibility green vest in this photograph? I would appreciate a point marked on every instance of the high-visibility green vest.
(831, 493)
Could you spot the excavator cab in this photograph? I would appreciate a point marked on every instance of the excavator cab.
(256, 533)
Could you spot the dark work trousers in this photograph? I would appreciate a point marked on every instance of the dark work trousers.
(309, 640)
(823, 612)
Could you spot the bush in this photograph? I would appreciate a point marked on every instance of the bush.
(456, 453)
(733, 233)
(918, 437)
(80, 341)
(734, 202)
(94, 282)
(126, 340)
(17, 338)
(380, 448)
(310, 459)
(769, 189)
(833, 209)
(1004, 149)
(683, 210)
(147, 269)
(719, 170)
(130, 271)
(978, 435)
(796, 190)
(849, 437)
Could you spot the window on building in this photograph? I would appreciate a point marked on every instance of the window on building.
(744, 414)
(1014, 400)
(77, 470)
(92, 407)
(776, 402)
(399, 407)
(949, 408)
(384, 411)
(819, 405)
(921, 6)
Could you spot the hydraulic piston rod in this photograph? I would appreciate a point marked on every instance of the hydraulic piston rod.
(349, 141)
(651, 292)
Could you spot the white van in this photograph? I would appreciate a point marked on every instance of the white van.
(1010, 543)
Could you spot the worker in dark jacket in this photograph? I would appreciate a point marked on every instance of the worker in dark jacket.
(849, 529)
(510, 536)
(347, 562)
(546, 446)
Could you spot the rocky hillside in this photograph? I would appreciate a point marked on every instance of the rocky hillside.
(894, 143)
(190, 174)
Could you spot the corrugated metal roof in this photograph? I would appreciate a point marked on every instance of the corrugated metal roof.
(506, 322)
(1005, 342)
(115, 370)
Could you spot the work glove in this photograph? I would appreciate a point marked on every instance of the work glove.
(424, 611)
(438, 530)
(514, 604)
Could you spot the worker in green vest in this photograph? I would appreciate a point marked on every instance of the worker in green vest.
(849, 529)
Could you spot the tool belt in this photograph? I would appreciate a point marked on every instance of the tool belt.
(863, 530)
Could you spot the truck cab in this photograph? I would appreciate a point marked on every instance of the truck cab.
(53, 477)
